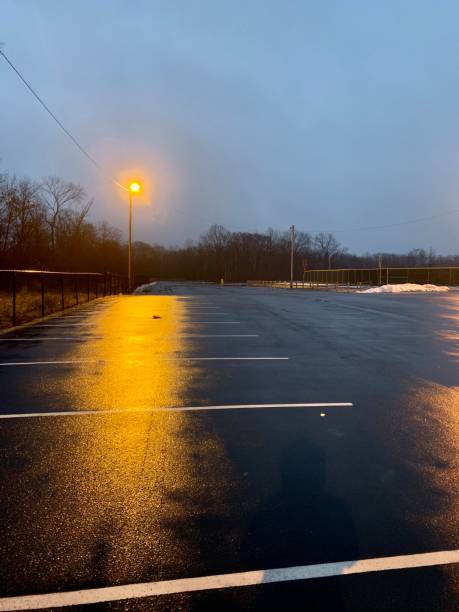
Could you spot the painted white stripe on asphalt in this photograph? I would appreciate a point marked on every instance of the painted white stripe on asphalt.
(210, 336)
(208, 314)
(126, 411)
(92, 337)
(217, 322)
(63, 325)
(70, 361)
(235, 358)
(40, 338)
(59, 362)
(225, 581)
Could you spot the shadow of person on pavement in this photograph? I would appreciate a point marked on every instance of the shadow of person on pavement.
(301, 525)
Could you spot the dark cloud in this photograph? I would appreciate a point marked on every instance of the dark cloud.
(251, 114)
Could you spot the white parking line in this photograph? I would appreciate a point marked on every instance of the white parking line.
(210, 336)
(216, 322)
(235, 358)
(92, 337)
(102, 361)
(128, 411)
(64, 325)
(209, 314)
(40, 338)
(225, 581)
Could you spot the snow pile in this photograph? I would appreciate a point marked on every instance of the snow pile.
(143, 289)
(405, 287)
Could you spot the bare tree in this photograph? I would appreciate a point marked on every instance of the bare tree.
(58, 196)
(216, 237)
(328, 247)
(21, 217)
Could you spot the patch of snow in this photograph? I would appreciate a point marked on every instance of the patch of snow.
(404, 288)
(144, 289)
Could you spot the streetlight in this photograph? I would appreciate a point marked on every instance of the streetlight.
(134, 188)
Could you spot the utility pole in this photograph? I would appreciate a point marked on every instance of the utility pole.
(292, 237)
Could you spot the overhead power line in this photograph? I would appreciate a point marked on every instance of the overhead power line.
(60, 124)
(331, 231)
(102, 170)
(390, 225)
(83, 150)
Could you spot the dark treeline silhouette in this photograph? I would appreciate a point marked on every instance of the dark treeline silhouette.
(45, 225)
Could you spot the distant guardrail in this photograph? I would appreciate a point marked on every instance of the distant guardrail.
(29, 294)
(367, 277)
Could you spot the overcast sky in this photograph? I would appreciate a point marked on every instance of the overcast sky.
(335, 115)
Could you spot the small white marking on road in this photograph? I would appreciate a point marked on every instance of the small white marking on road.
(127, 411)
(225, 581)
(101, 361)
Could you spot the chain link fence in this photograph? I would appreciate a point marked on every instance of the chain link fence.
(372, 277)
(356, 278)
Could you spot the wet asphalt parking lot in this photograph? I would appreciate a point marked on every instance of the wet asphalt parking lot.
(222, 433)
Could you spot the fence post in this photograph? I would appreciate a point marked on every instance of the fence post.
(88, 285)
(105, 284)
(387, 276)
(42, 280)
(76, 288)
(97, 282)
(62, 292)
(13, 283)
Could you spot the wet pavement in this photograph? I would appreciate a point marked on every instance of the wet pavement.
(138, 495)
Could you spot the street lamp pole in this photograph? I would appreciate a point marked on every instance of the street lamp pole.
(130, 244)
(134, 187)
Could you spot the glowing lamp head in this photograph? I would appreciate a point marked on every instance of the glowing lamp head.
(134, 187)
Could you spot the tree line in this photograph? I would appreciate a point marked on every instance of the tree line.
(46, 225)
